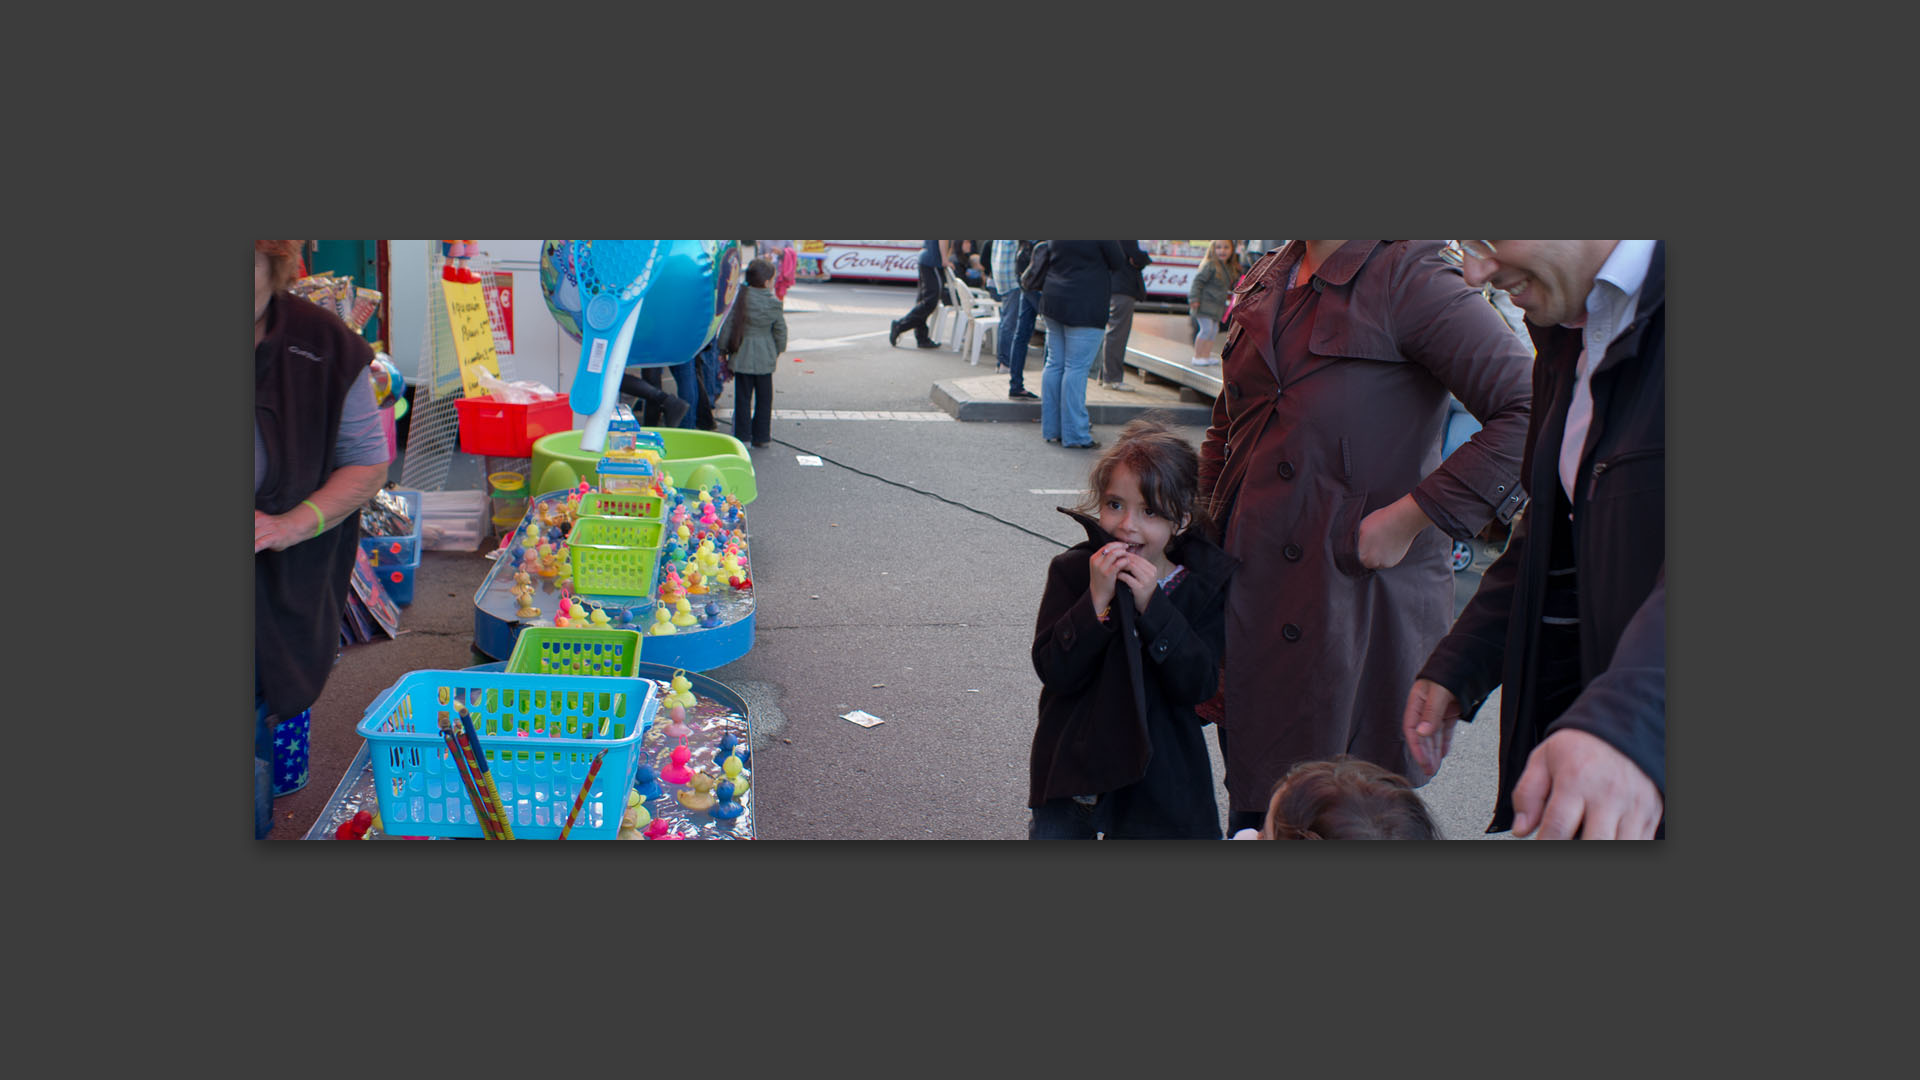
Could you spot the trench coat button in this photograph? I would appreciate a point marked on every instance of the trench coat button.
(1292, 552)
(1290, 632)
(1500, 489)
(1286, 470)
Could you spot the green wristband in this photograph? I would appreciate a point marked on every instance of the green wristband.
(320, 518)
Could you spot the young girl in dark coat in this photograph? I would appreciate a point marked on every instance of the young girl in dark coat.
(1128, 640)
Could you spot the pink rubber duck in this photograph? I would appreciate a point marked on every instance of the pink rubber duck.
(677, 772)
(678, 728)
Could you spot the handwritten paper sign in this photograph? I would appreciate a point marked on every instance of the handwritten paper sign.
(472, 333)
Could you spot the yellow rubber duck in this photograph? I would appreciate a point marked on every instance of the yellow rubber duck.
(683, 613)
(700, 795)
(662, 622)
(598, 619)
(682, 692)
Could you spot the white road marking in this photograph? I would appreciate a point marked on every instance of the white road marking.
(796, 344)
(843, 414)
(1057, 491)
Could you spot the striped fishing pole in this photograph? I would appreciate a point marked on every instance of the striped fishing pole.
(479, 762)
(466, 778)
(581, 798)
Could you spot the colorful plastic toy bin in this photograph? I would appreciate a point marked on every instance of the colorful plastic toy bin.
(538, 735)
(567, 650)
(397, 549)
(623, 505)
(504, 429)
(615, 556)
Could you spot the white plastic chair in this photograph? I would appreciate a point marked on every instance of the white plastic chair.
(946, 314)
(977, 317)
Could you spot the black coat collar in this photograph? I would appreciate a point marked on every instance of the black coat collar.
(1207, 565)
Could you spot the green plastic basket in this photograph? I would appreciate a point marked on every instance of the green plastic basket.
(623, 505)
(615, 556)
(567, 650)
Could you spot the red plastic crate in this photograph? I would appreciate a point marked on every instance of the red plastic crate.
(503, 429)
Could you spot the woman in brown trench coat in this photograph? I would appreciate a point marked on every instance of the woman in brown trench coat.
(1323, 461)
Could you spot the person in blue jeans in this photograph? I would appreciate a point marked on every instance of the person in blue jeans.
(1018, 308)
(1074, 301)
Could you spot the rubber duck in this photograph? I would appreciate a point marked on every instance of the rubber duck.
(730, 567)
(683, 614)
(662, 622)
(721, 749)
(676, 771)
(700, 795)
(599, 620)
(732, 767)
(672, 590)
(725, 808)
(658, 830)
(711, 616)
(683, 691)
(684, 533)
(677, 722)
(527, 610)
(635, 818)
(646, 781)
(696, 581)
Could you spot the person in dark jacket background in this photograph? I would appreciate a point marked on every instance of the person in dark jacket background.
(318, 456)
(1074, 302)
(1127, 287)
(1571, 620)
(933, 255)
(1127, 642)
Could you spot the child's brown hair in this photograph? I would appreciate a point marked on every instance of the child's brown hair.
(1166, 465)
(1347, 799)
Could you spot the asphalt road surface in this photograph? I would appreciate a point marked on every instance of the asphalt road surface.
(899, 576)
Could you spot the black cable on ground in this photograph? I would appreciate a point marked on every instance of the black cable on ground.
(922, 491)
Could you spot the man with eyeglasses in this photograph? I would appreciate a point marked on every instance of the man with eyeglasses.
(1571, 620)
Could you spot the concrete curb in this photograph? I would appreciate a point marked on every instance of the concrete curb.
(955, 399)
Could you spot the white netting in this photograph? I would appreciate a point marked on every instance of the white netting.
(434, 436)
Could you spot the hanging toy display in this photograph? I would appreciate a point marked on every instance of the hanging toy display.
(456, 253)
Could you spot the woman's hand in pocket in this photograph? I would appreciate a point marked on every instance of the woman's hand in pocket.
(1387, 533)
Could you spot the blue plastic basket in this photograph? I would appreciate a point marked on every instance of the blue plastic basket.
(399, 550)
(397, 579)
(537, 772)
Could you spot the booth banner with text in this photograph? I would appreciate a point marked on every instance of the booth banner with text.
(472, 333)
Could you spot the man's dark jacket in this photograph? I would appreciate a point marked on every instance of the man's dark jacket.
(1616, 687)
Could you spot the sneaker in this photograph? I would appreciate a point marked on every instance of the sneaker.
(1204, 361)
(894, 330)
(1052, 439)
(1024, 395)
(674, 411)
(926, 343)
(1120, 386)
(1092, 444)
